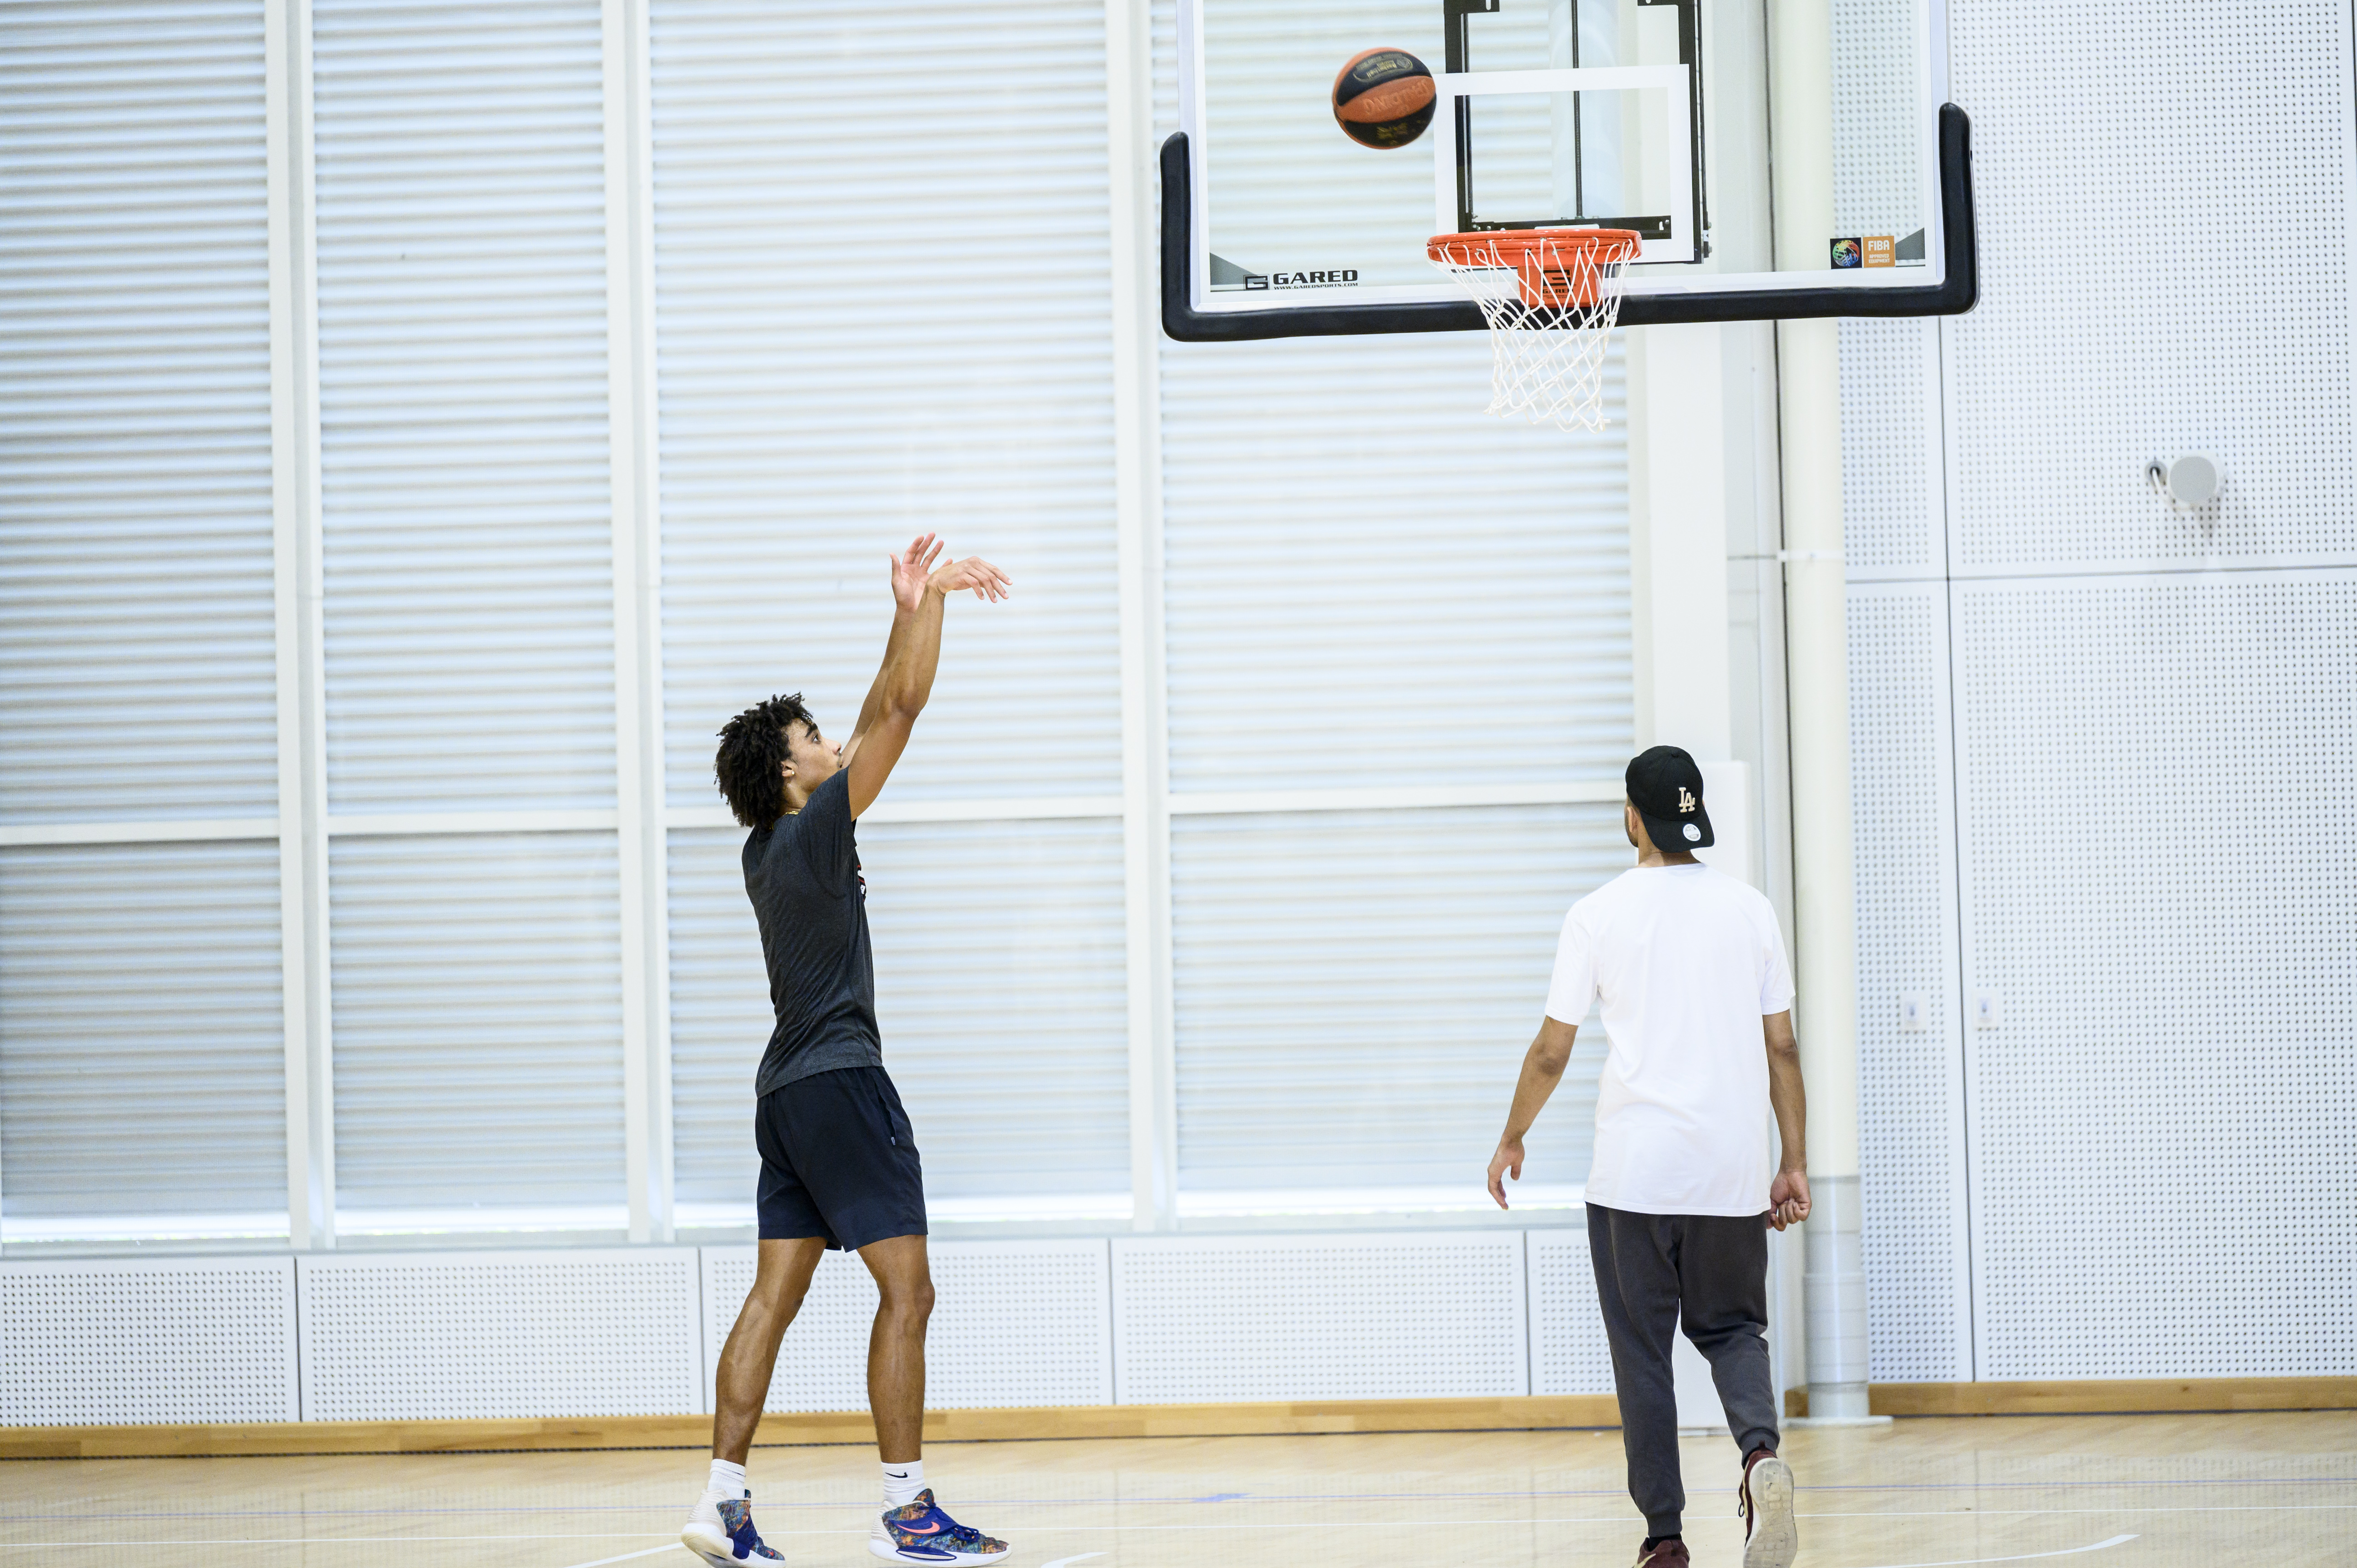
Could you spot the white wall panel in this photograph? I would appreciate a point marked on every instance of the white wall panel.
(136, 667)
(1356, 989)
(1894, 521)
(186, 1340)
(1015, 1323)
(2165, 248)
(831, 386)
(463, 416)
(999, 993)
(1569, 1354)
(1911, 1072)
(470, 1336)
(142, 1052)
(1365, 590)
(2159, 835)
(1427, 1316)
(477, 1022)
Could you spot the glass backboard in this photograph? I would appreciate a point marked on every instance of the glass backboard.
(1651, 115)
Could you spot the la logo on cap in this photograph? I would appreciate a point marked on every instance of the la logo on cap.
(1685, 804)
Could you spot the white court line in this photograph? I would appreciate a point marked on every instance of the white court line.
(650, 1552)
(2025, 1557)
(374, 1541)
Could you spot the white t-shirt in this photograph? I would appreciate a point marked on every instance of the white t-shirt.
(1688, 960)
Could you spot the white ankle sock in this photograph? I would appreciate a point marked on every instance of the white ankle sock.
(902, 1483)
(727, 1482)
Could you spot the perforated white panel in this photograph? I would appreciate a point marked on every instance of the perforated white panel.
(999, 990)
(477, 1021)
(1910, 1080)
(94, 1341)
(1015, 1323)
(1429, 1315)
(1278, 471)
(142, 1047)
(136, 670)
(446, 1335)
(462, 404)
(1569, 1354)
(2160, 832)
(1894, 520)
(2165, 254)
(1355, 989)
(811, 421)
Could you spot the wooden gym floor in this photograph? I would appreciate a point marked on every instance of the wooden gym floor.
(2188, 1491)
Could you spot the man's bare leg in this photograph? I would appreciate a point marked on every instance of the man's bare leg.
(896, 1347)
(781, 1279)
(911, 1528)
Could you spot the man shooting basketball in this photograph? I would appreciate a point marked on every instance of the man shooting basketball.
(839, 1164)
(1697, 998)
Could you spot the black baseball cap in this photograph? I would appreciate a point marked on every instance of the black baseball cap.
(1665, 787)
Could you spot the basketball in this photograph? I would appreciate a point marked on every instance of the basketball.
(1384, 98)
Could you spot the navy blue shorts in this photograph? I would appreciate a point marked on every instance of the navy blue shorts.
(838, 1160)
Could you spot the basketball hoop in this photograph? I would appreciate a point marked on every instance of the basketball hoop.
(1550, 330)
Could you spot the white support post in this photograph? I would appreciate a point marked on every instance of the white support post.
(636, 566)
(1137, 484)
(1679, 435)
(296, 590)
(1817, 652)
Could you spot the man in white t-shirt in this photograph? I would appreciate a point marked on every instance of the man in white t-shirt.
(1697, 997)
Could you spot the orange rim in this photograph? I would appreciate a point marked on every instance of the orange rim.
(1553, 267)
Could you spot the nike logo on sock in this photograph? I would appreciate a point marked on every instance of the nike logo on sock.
(898, 1475)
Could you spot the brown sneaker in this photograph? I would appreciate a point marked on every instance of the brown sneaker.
(1771, 1537)
(1666, 1554)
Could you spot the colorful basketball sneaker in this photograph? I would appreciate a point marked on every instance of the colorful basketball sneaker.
(722, 1534)
(922, 1532)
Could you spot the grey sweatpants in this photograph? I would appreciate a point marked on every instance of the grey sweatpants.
(1650, 1270)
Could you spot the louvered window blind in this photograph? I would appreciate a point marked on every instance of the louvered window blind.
(141, 1055)
(468, 617)
(833, 380)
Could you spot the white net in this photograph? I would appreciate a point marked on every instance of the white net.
(1551, 302)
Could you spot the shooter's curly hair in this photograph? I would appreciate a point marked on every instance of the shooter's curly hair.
(752, 746)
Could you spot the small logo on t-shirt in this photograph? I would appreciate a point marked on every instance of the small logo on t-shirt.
(1687, 803)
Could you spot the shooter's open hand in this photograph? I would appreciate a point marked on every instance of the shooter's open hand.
(987, 581)
(912, 569)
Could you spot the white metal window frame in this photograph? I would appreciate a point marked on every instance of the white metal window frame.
(304, 828)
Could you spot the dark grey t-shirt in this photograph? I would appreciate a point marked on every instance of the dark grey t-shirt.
(803, 877)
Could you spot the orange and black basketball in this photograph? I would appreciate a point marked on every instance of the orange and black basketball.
(1384, 98)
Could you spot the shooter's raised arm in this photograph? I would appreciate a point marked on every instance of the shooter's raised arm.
(905, 681)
